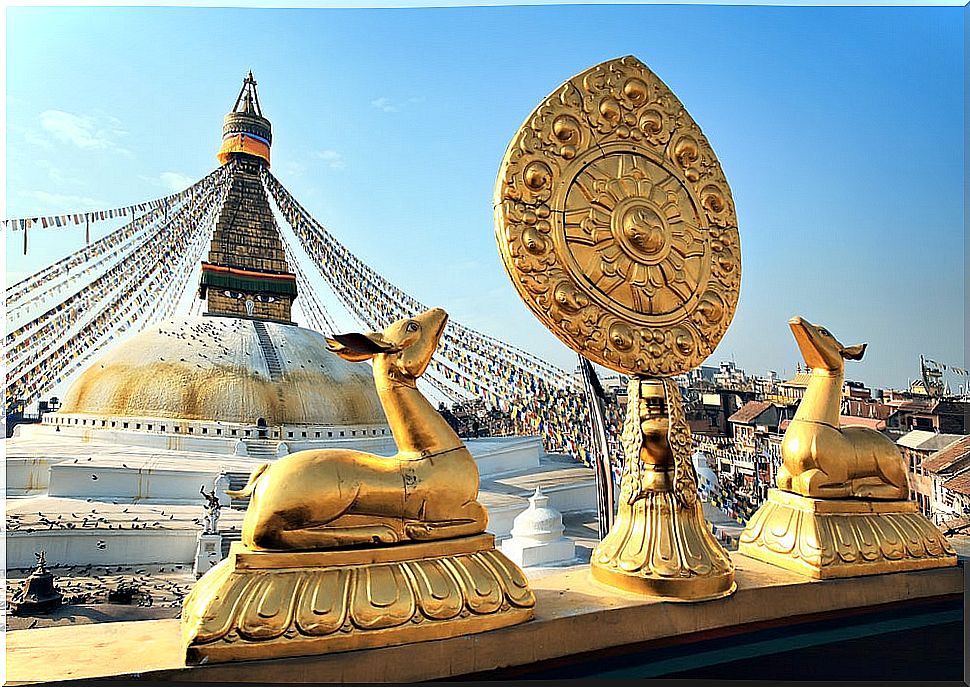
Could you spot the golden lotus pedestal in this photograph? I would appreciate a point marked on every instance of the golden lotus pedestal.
(662, 548)
(256, 605)
(660, 544)
(825, 538)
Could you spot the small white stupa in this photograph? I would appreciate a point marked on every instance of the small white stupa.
(537, 535)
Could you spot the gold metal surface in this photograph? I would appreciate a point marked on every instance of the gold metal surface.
(841, 506)
(265, 605)
(821, 459)
(616, 223)
(329, 498)
(347, 550)
(825, 538)
(213, 368)
(660, 543)
(617, 228)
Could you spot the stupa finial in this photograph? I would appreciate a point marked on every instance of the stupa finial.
(245, 131)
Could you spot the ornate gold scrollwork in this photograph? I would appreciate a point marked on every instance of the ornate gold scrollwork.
(616, 223)
(617, 228)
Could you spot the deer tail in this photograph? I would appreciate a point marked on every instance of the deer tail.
(250, 485)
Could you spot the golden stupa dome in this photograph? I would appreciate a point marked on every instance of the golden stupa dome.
(230, 370)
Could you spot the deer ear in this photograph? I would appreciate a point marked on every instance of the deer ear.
(358, 347)
(853, 352)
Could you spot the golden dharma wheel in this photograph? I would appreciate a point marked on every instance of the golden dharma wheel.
(616, 223)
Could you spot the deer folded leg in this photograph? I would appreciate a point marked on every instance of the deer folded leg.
(329, 536)
(893, 471)
(784, 479)
(875, 488)
(423, 531)
(816, 483)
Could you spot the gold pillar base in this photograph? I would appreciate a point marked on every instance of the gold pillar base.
(825, 538)
(662, 548)
(257, 605)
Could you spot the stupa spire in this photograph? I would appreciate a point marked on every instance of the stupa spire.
(248, 97)
(246, 274)
(245, 131)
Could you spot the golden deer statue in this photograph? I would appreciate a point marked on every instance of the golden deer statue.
(821, 459)
(319, 499)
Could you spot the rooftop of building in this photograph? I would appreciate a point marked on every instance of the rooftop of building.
(855, 421)
(749, 412)
(860, 408)
(916, 405)
(847, 421)
(948, 456)
(801, 379)
(960, 483)
(923, 440)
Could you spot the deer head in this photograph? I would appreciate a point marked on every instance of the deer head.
(820, 348)
(401, 352)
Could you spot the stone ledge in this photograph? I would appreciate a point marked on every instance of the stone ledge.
(573, 615)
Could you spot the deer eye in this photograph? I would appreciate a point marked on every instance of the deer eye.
(825, 331)
(412, 327)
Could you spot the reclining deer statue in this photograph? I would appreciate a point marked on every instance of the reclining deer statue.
(326, 498)
(820, 459)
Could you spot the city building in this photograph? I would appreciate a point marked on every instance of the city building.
(916, 446)
(949, 473)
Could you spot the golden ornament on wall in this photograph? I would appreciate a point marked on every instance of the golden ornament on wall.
(616, 223)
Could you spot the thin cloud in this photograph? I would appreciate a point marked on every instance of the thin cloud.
(294, 169)
(55, 174)
(175, 181)
(35, 139)
(52, 203)
(333, 159)
(384, 104)
(85, 132)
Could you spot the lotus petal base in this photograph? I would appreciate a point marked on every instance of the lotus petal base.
(661, 547)
(256, 605)
(825, 538)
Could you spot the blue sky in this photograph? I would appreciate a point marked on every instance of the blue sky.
(840, 131)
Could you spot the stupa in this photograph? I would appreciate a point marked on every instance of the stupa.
(244, 364)
(113, 477)
(167, 410)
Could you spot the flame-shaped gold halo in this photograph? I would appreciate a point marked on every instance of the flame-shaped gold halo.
(616, 223)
